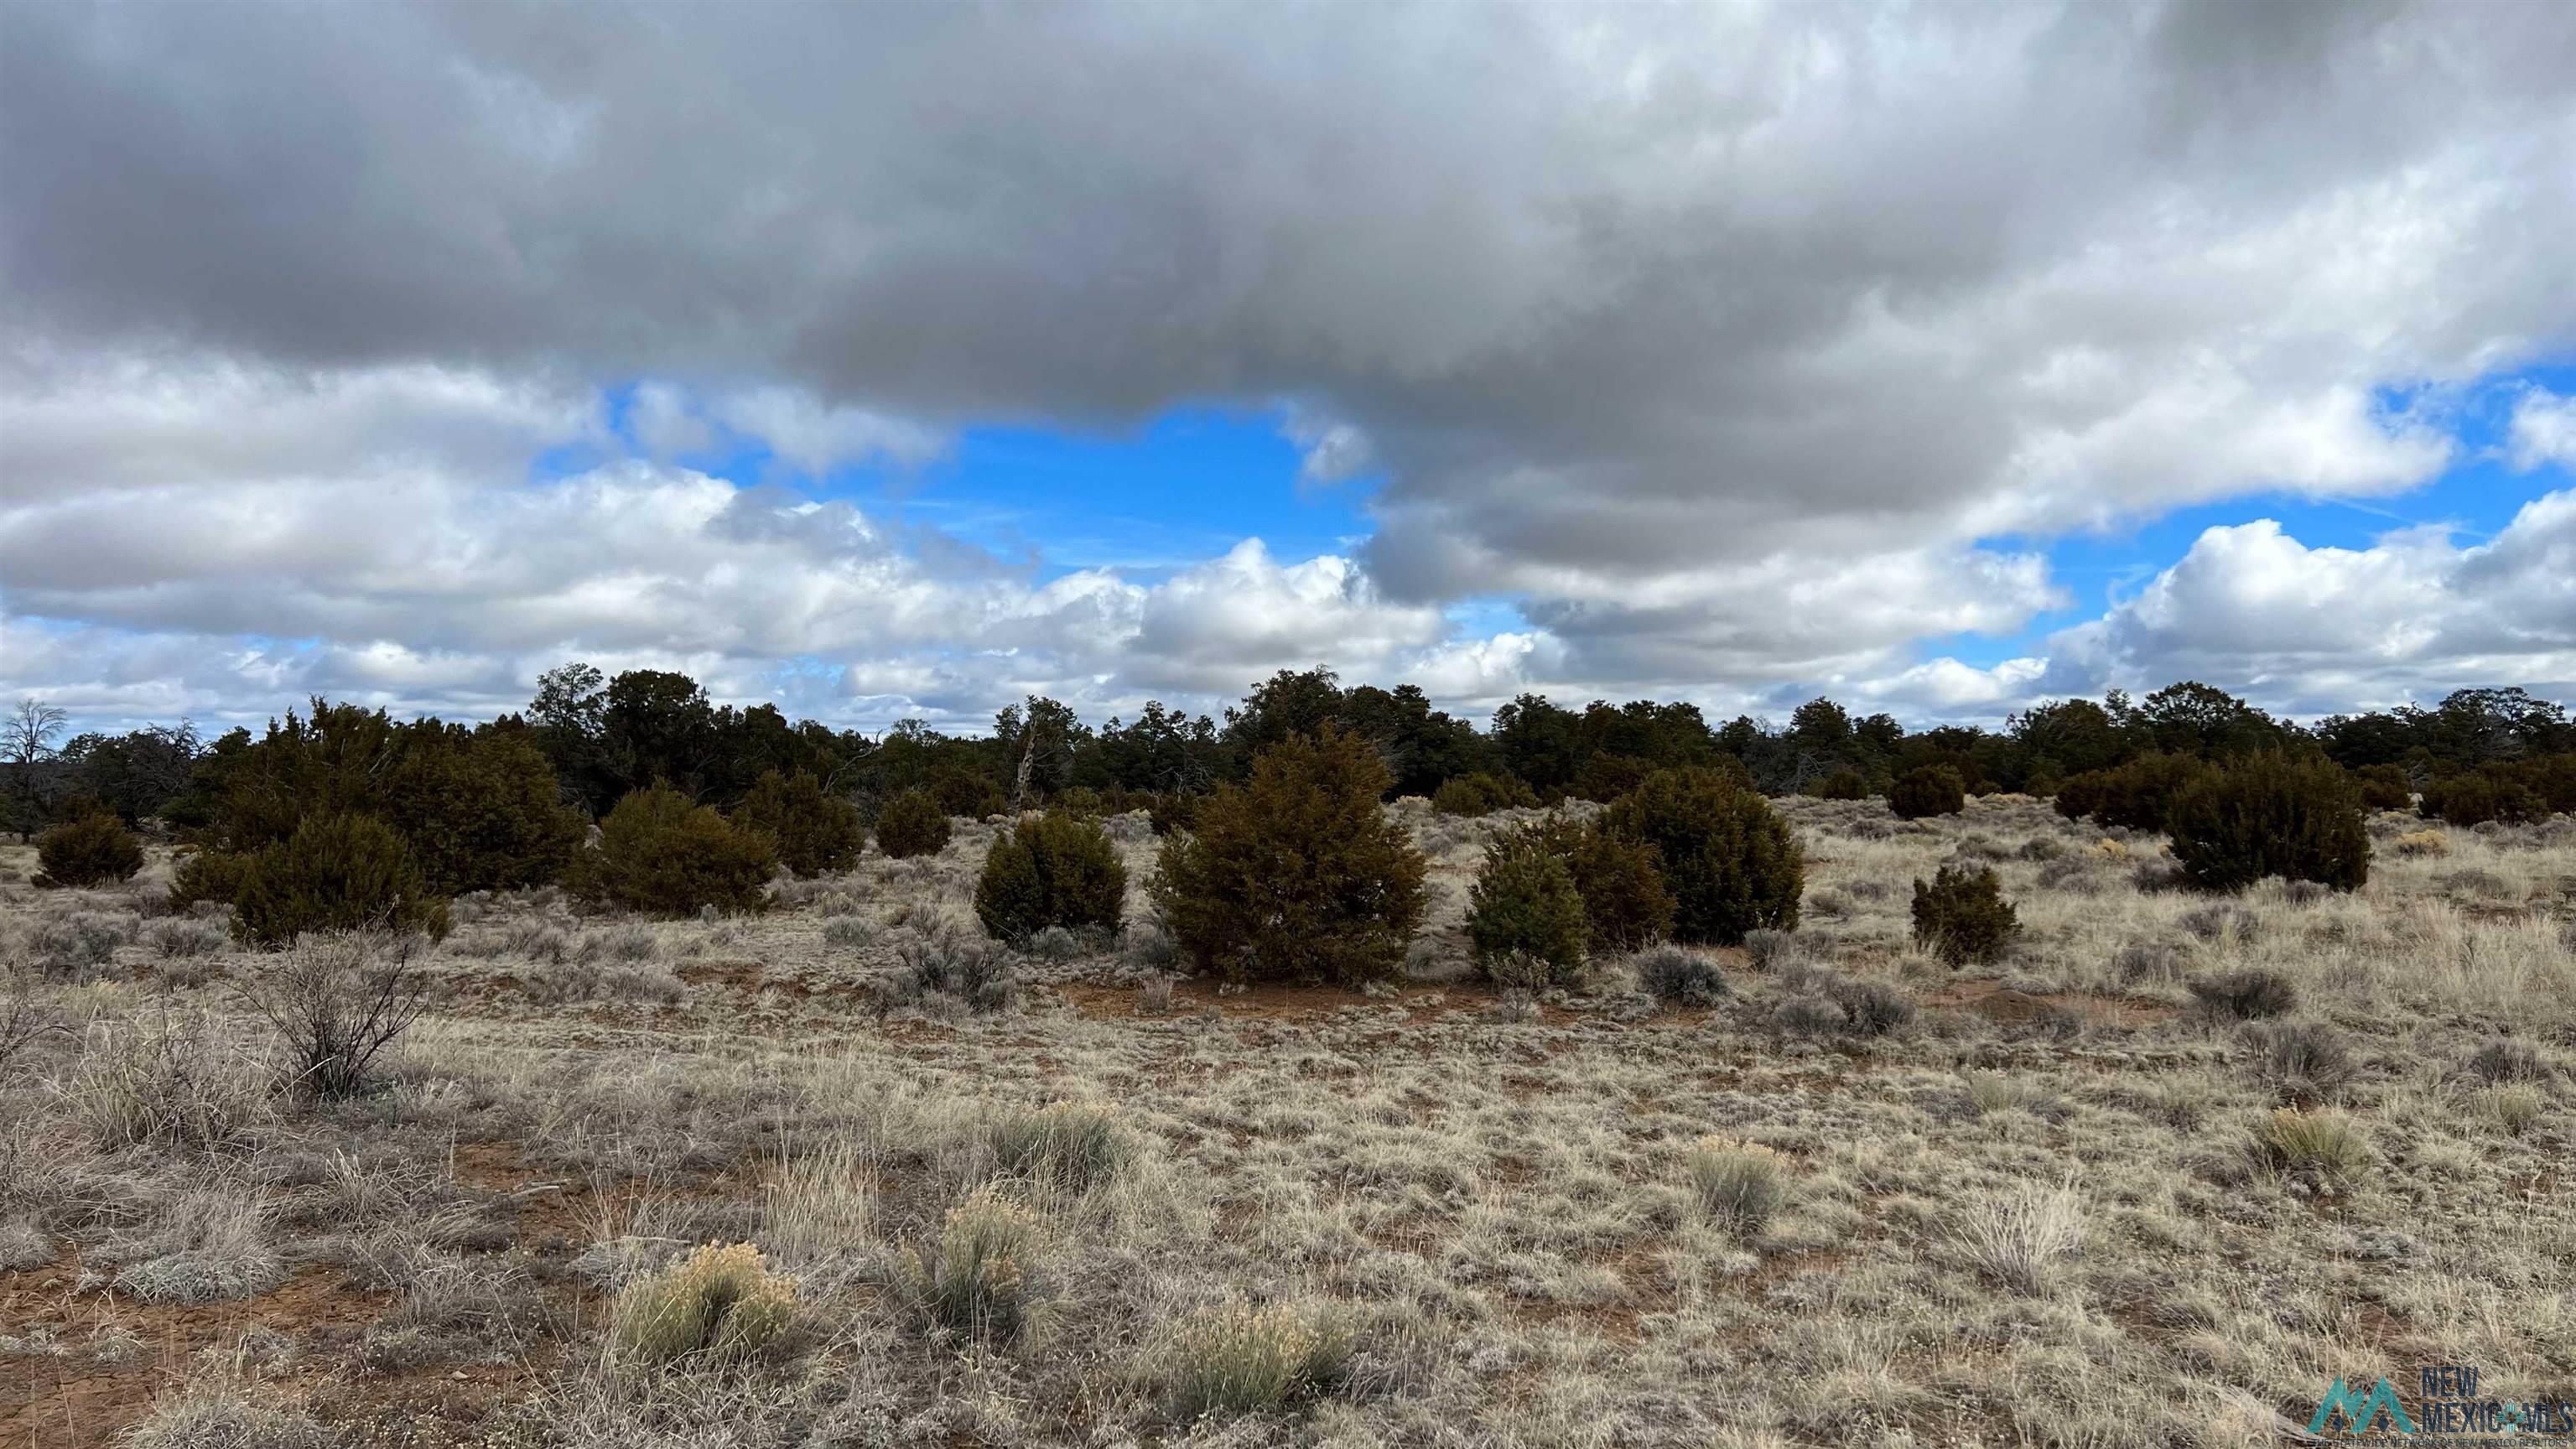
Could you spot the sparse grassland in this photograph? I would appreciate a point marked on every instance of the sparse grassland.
(814, 1175)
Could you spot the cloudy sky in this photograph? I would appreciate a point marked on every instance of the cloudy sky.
(902, 359)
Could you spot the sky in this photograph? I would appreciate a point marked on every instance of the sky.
(902, 360)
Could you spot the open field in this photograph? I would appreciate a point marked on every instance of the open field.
(2058, 1203)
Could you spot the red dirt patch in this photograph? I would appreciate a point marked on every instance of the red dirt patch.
(1997, 1002)
(74, 1401)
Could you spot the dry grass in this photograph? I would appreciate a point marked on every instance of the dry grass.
(1841, 1195)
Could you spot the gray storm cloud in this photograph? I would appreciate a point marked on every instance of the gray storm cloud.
(1726, 339)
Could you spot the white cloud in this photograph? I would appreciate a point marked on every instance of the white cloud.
(2543, 431)
(815, 437)
(2315, 629)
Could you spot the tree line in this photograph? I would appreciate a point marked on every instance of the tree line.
(587, 740)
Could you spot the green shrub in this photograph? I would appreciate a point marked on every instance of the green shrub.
(1607, 776)
(2138, 795)
(1961, 915)
(93, 850)
(1460, 797)
(2553, 779)
(721, 1302)
(2384, 787)
(1932, 790)
(477, 809)
(1845, 785)
(335, 873)
(1174, 812)
(480, 812)
(2498, 793)
(208, 875)
(815, 833)
(1482, 794)
(663, 853)
(1524, 900)
(1626, 905)
(911, 824)
(1079, 800)
(2267, 815)
(1236, 1359)
(1055, 869)
(1728, 857)
(1296, 872)
(964, 792)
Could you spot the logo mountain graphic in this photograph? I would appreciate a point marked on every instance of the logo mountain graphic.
(2361, 1413)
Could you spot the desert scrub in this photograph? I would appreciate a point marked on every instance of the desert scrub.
(2323, 1149)
(1236, 1359)
(184, 940)
(1678, 976)
(2017, 1236)
(1961, 915)
(2513, 1108)
(983, 1277)
(2268, 815)
(1296, 872)
(1727, 855)
(335, 1001)
(662, 853)
(1920, 794)
(814, 833)
(2247, 995)
(1052, 871)
(851, 932)
(225, 1410)
(1068, 1146)
(1992, 1092)
(1524, 903)
(721, 1302)
(1815, 1001)
(94, 850)
(169, 1081)
(946, 966)
(2305, 1061)
(1741, 1184)
(75, 944)
(335, 873)
(912, 824)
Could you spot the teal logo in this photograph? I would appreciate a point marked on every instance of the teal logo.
(2451, 1410)
(2361, 1414)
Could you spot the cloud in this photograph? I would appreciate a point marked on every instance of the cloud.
(2543, 431)
(2315, 629)
(1740, 346)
